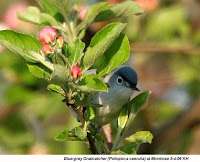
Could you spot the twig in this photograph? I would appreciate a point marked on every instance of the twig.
(80, 114)
(155, 48)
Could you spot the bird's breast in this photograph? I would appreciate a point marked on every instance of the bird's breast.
(112, 104)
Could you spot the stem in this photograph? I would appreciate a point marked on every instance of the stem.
(92, 144)
(64, 59)
(79, 112)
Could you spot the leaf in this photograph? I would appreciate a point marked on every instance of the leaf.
(139, 137)
(63, 136)
(92, 12)
(127, 149)
(39, 70)
(42, 25)
(118, 152)
(79, 132)
(89, 114)
(91, 83)
(120, 10)
(63, 6)
(134, 106)
(60, 74)
(75, 49)
(41, 58)
(46, 18)
(21, 44)
(32, 15)
(101, 42)
(51, 10)
(99, 137)
(116, 55)
(123, 117)
(47, 7)
(56, 88)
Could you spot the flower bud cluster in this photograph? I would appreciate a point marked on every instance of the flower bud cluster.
(50, 40)
(48, 36)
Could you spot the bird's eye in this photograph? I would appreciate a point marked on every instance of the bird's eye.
(119, 80)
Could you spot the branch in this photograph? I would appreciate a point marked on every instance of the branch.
(155, 48)
(80, 113)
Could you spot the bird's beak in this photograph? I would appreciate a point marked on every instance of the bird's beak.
(135, 88)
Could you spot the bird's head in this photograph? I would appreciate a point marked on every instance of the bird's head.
(123, 77)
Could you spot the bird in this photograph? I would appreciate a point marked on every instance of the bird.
(122, 84)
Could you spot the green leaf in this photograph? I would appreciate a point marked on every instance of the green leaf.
(80, 133)
(99, 137)
(91, 83)
(89, 114)
(101, 42)
(127, 149)
(92, 12)
(134, 106)
(32, 15)
(75, 49)
(39, 70)
(51, 10)
(63, 6)
(41, 58)
(47, 7)
(63, 136)
(60, 74)
(123, 117)
(42, 25)
(139, 137)
(118, 152)
(21, 44)
(46, 18)
(120, 10)
(100, 147)
(116, 55)
(56, 88)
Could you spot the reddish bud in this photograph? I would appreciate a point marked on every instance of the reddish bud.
(76, 72)
(59, 41)
(82, 12)
(47, 35)
(46, 49)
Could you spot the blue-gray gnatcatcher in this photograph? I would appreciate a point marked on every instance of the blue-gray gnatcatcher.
(122, 82)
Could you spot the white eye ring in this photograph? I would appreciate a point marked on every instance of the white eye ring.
(119, 80)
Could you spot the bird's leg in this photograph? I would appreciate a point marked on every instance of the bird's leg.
(106, 130)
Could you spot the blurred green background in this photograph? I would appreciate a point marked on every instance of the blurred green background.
(165, 52)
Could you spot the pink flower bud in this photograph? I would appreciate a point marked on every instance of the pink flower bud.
(59, 41)
(76, 72)
(82, 11)
(47, 35)
(46, 49)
